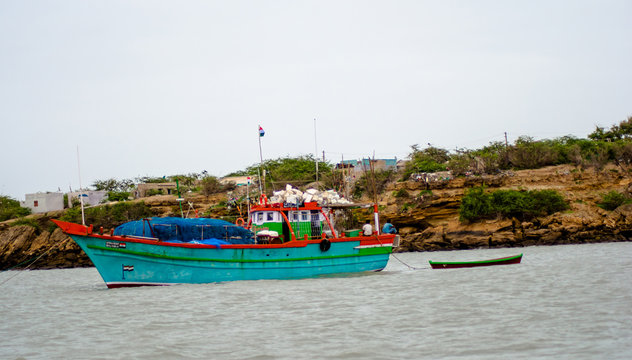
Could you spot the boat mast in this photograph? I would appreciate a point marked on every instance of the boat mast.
(315, 152)
(83, 216)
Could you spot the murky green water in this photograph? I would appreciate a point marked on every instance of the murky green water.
(561, 302)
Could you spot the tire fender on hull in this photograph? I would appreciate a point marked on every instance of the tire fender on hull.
(325, 245)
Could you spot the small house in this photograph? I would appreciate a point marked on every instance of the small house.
(44, 202)
(90, 197)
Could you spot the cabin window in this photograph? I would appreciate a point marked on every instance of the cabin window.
(294, 216)
(304, 215)
(260, 217)
(270, 216)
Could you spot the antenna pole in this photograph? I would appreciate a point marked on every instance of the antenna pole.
(179, 199)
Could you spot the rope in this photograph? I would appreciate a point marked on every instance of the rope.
(410, 267)
(34, 261)
(13, 267)
(400, 260)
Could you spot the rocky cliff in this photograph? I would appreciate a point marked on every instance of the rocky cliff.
(425, 212)
(49, 249)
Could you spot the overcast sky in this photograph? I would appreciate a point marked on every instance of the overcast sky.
(153, 88)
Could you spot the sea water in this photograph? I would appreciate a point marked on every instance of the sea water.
(561, 302)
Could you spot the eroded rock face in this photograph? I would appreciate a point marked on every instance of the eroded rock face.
(22, 246)
(15, 240)
(434, 225)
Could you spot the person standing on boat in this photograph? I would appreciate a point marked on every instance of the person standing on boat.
(367, 229)
(389, 228)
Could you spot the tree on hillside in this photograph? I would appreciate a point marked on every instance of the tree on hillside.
(616, 132)
(289, 170)
(528, 153)
(623, 155)
(430, 159)
(118, 190)
(186, 180)
(210, 185)
(113, 185)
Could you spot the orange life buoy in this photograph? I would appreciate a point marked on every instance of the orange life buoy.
(263, 200)
(239, 222)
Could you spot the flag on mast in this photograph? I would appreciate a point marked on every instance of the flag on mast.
(261, 132)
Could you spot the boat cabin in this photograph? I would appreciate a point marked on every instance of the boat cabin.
(289, 223)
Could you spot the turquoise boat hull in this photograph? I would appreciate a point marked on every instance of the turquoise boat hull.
(124, 261)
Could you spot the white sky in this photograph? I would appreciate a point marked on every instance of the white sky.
(166, 87)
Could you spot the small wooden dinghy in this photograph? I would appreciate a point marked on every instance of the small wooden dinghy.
(515, 259)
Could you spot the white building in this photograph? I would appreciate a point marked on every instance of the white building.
(44, 202)
(91, 197)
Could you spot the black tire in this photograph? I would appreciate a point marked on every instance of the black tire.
(325, 245)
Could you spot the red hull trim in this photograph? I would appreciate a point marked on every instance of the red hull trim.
(126, 285)
(77, 229)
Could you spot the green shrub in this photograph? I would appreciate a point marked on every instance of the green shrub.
(490, 159)
(211, 185)
(460, 163)
(622, 152)
(401, 193)
(424, 195)
(530, 154)
(27, 222)
(430, 159)
(546, 202)
(118, 195)
(612, 200)
(11, 209)
(510, 203)
(477, 204)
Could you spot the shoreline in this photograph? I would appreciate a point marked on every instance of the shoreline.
(427, 217)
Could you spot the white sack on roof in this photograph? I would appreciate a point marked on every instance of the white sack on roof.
(292, 196)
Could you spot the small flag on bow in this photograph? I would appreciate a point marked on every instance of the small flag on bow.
(261, 132)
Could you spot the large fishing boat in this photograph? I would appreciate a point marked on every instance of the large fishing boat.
(278, 241)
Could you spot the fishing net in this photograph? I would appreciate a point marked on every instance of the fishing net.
(187, 230)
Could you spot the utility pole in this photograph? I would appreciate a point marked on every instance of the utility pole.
(261, 171)
(506, 150)
(315, 150)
